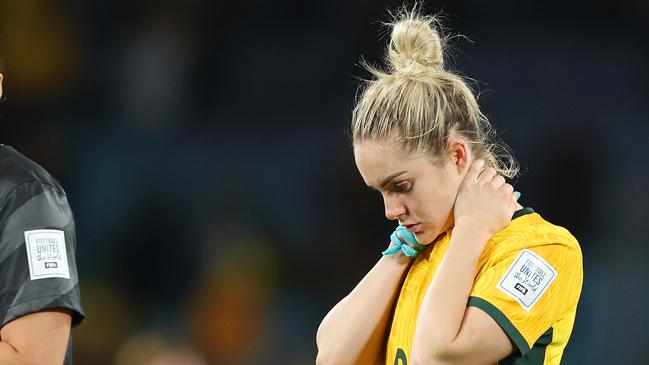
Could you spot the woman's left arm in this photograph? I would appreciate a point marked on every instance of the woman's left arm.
(448, 332)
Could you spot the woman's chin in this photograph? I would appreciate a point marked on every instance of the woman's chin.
(426, 237)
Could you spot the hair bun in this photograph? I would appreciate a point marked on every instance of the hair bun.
(415, 43)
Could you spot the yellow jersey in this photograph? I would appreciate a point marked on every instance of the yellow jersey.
(528, 280)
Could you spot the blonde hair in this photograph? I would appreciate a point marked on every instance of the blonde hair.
(420, 102)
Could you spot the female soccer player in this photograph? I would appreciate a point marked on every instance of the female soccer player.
(470, 276)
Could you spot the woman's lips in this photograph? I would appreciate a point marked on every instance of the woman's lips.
(412, 228)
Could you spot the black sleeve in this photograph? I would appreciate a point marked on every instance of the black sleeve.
(37, 244)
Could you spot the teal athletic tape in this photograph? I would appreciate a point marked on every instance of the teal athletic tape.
(410, 248)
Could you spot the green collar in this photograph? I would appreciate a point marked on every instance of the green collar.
(522, 212)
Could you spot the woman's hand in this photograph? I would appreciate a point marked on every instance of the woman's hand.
(485, 203)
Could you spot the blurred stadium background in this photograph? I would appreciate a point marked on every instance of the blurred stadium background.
(203, 145)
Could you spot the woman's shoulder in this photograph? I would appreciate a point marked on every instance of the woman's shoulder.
(532, 231)
(17, 169)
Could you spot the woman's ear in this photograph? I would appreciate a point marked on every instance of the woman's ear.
(459, 153)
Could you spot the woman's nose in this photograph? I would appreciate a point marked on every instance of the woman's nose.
(393, 208)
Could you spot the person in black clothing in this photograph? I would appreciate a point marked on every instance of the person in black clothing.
(39, 283)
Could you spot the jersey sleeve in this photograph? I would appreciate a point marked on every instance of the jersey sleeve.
(37, 253)
(528, 290)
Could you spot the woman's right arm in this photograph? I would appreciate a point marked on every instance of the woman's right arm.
(354, 331)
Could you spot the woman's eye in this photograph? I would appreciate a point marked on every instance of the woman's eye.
(402, 187)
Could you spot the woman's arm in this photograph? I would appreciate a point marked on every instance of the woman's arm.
(445, 333)
(39, 338)
(354, 331)
(449, 332)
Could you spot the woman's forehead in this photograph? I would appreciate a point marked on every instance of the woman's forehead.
(379, 152)
(376, 160)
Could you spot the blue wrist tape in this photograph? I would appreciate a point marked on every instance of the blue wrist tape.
(410, 248)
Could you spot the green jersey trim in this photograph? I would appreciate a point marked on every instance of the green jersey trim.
(522, 212)
(502, 320)
(536, 355)
(524, 355)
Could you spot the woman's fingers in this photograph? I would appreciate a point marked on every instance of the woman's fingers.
(475, 170)
(507, 189)
(487, 175)
(483, 175)
(498, 181)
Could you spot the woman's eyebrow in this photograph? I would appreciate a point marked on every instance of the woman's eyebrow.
(392, 176)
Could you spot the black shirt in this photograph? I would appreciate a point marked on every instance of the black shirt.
(37, 243)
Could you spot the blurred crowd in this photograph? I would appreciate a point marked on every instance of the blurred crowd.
(204, 149)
